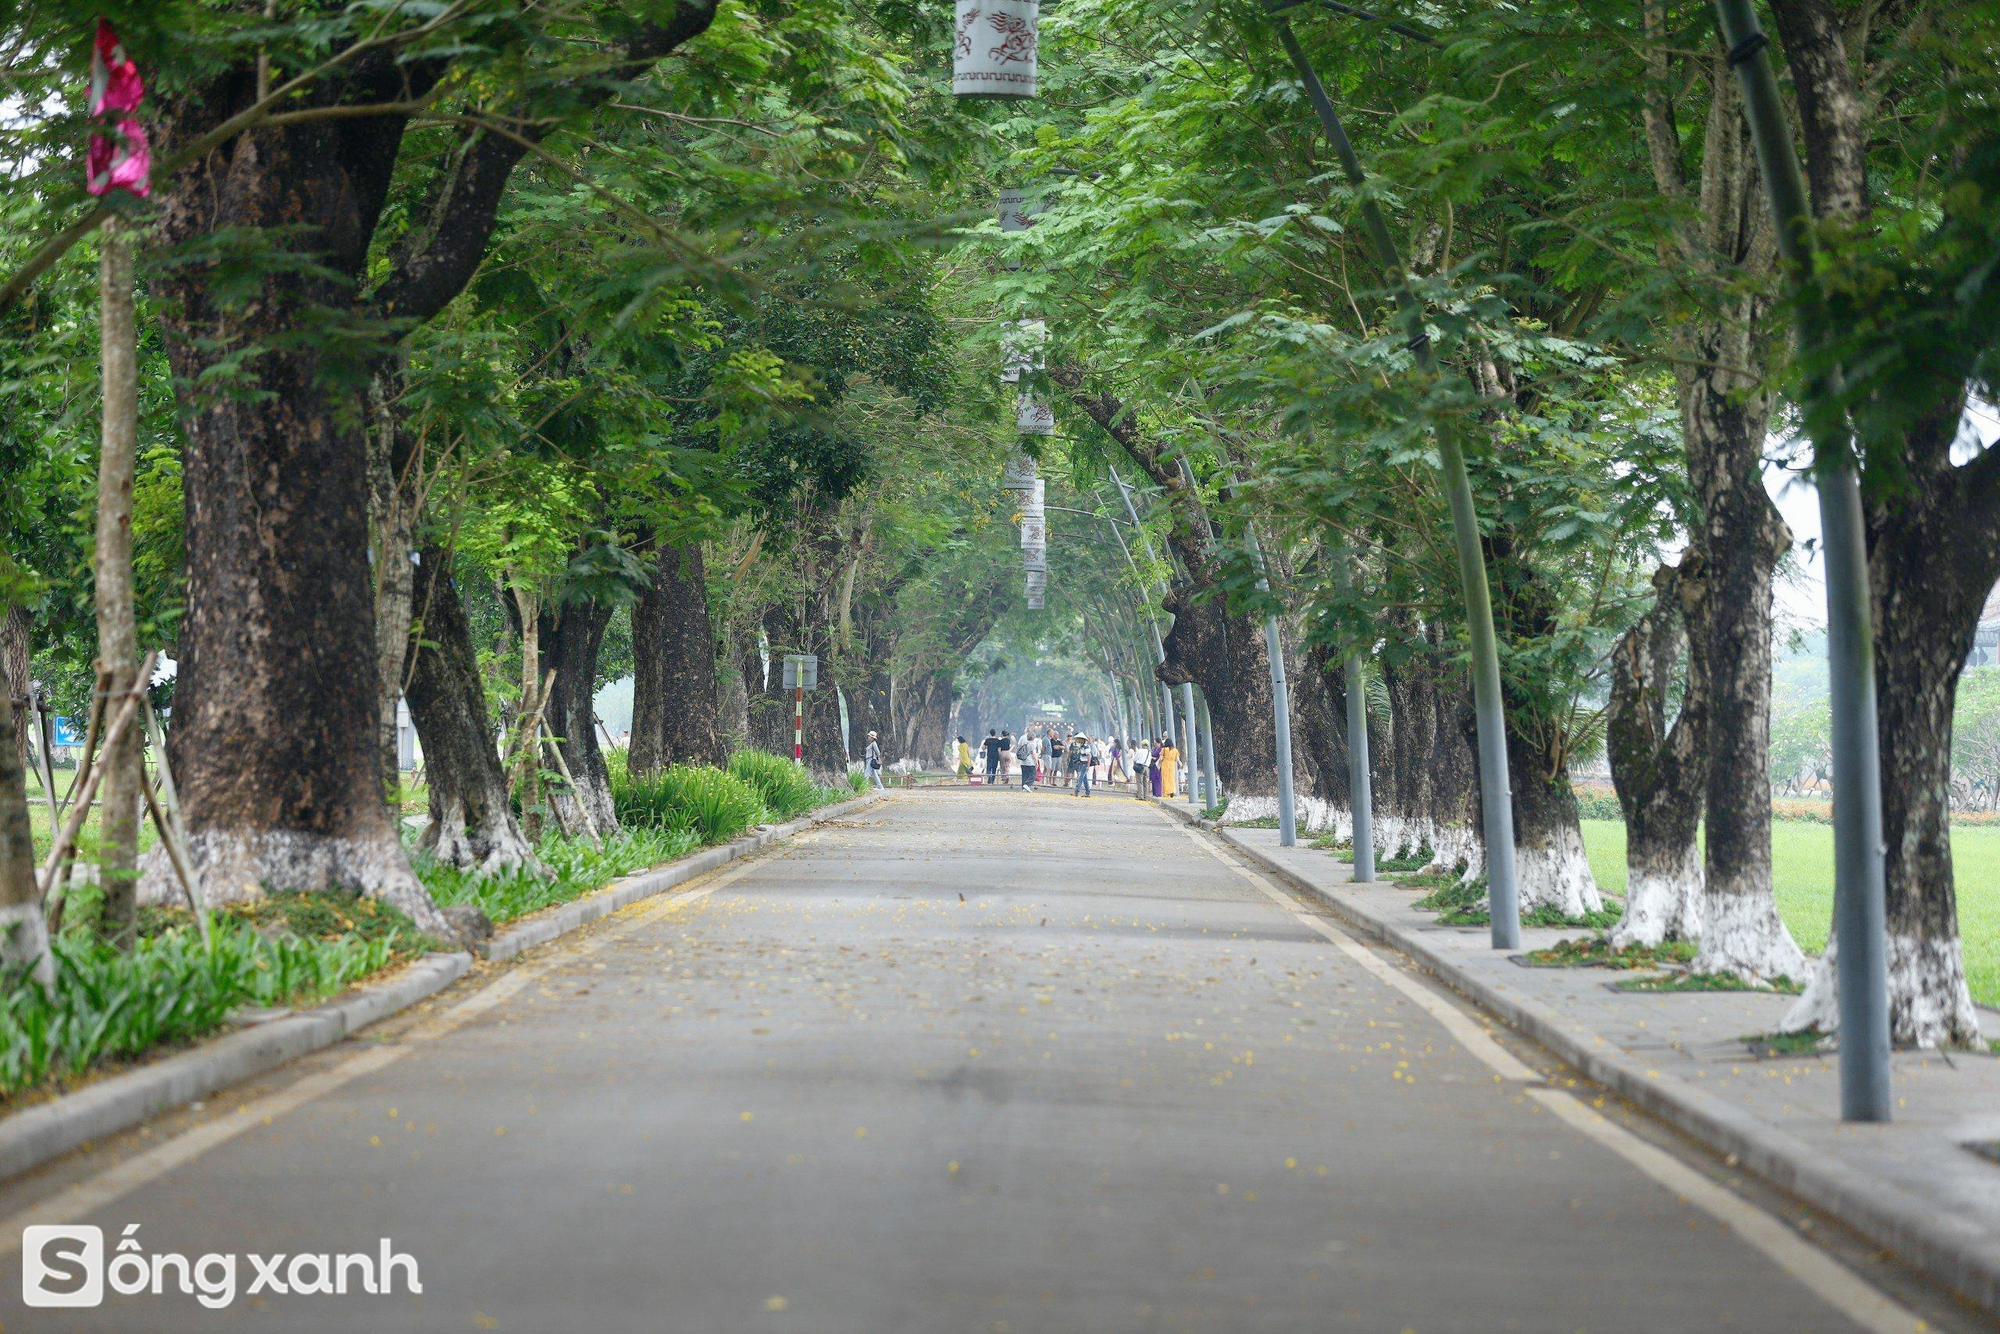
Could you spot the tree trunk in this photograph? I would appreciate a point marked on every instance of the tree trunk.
(392, 505)
(472, 824)
(740, 667)
(572, 638)
(274, 743)
(676, 709)
(17, 675)
(1742, 540)
(1934, 555)
(111, 567)
(1660, 773)
(24, 941)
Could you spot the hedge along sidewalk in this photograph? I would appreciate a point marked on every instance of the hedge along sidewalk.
(1912, 1186)
(45, 1131)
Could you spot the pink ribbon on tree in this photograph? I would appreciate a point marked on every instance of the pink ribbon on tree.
(124, 161)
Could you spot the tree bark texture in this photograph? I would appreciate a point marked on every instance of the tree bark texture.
(276, 728)
(24, 942)
(1660, 772)
(111, 568)
(472, 824)
(392, 513)
(572, 636)
(1740, 537)
(676, 708)
(17, 674)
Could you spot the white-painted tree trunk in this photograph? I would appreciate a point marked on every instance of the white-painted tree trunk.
(1930, 1004)
(1742, 934)
(1662, 901)
(1553, 872)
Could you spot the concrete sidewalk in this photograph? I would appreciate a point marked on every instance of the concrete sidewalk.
(1914, 1185)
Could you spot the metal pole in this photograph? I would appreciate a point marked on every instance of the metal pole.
(799, 724)
(1360, 788)
(1208, 754)
(1360, 793)
(1859, 896)
(1193, 730)
(1496, 799)
(1281, 707)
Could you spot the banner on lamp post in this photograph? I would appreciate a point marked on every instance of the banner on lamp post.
(993, 53)
(1032, 415)
(1037, 587)
(1034, 532)
(1019, 474)
(1035, 560)
(1021, 349)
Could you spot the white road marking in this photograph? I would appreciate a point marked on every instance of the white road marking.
(114, 1183)
(1827, 1278)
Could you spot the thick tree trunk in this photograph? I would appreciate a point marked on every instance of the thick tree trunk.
(1660, 773)
(1548, 834)
(472, 824)
(24, 941)
(274, 742)
(1741, 541)
(1934, 555)
(572, 638)
(17, 674)
(676, 707)
(1726, 242)
(740, 667)
(1319, 727)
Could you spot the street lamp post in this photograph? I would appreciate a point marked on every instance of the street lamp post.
(1495, 791)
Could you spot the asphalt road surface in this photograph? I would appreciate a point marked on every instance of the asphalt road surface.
(972, 1061)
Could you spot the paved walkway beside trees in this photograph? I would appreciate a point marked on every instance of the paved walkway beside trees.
(1918, 1175)
(964, 1063)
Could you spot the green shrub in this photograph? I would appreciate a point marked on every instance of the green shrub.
(571, 868)
(1598, 805)
(173, 988)
(715, 805)
(786, 789)
(857, 782)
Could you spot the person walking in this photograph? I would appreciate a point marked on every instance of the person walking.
(1170, 771)
(964, 761)
(1153, 768)
(1029, 754)
(992, 749)
(873, 758)
(1079, 764)
(1009, 760)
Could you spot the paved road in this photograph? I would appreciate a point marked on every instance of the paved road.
(965, 1062)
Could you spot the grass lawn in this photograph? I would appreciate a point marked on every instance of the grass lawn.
(1802, 873)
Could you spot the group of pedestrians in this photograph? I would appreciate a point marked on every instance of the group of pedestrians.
(1051, 754)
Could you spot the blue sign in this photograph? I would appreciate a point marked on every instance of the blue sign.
(68, 731)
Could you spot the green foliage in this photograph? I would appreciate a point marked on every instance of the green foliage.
(785, 788)
(171, 988)
(570, 868)
(714, 805)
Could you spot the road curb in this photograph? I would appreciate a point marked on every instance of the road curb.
(1949, 1249)
(39, 1134)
